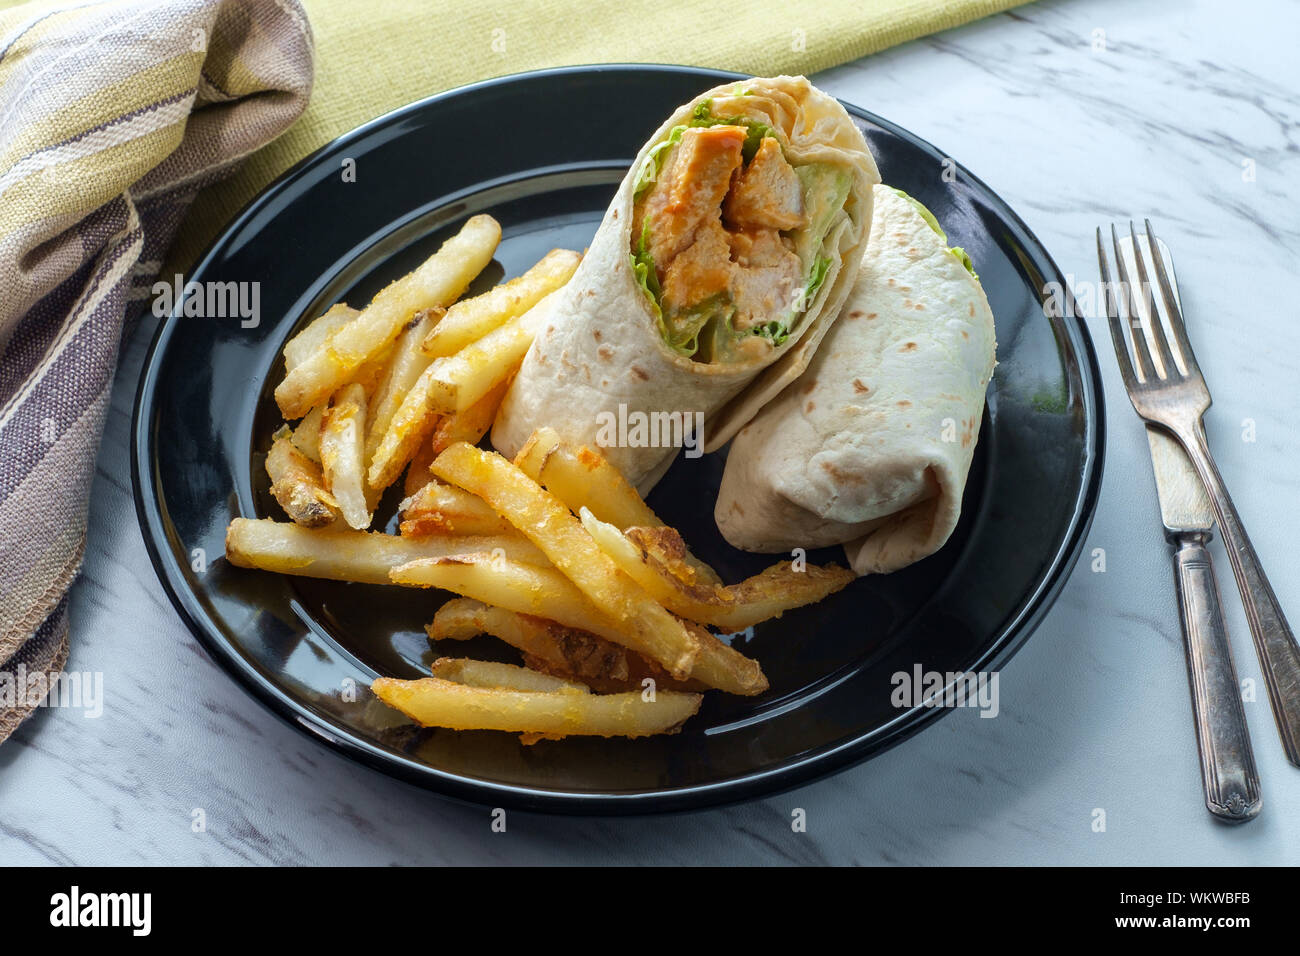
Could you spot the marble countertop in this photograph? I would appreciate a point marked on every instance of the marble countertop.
(1077, 112)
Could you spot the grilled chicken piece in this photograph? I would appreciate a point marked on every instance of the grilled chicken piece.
(766, 276)
(693, 181)
(701, 269)
(766, 193)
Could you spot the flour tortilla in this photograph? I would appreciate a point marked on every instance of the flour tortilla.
(599, 346)
(871, 446)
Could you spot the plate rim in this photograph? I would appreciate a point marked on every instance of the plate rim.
(800, 771)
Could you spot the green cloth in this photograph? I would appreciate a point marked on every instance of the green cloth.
(375, 57)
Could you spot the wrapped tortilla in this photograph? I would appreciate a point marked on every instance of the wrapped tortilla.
(728, 248)
(871, 446)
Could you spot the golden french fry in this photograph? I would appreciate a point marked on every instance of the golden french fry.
(461, 670)
(342, 554)
(456, 382)
(503, 581)
(306, 436)
(760, 598)
(471, 319)
(471, 424)
(438, 703)
(435, 284)
(402, 371)
(552, 648)
(297, 484)
(583, 478)
(317, 333)
(545, 521)
(449, 386)
(342, 443)
(440, 508)
(412, 425)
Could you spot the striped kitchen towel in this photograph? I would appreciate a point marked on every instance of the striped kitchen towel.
(113, 115)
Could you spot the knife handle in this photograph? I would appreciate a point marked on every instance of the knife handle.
(1227, 762)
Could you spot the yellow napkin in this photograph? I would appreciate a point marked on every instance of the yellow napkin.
(375, 57)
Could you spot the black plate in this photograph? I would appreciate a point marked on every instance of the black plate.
(543, 153)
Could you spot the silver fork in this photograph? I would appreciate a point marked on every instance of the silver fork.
(1173, 396)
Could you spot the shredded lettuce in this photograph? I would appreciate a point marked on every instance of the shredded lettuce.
(681, 331)
(778, 330)
(643, 268)
(964, 259)
(756, 130)
(957, 251)
(820, 268)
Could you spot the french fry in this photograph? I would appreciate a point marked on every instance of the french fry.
(760, 598)
(402, 371)
(471, 424)
(433, 702)
(456, 382)
(461, 670)
(545, 521)
(297, 484)
(306, 436)
(440, 508)
(503, 581)
(448, 386)
(552, 648)
(471, 319)
(342, 443)
(317, 333)
(341, 554)
(435, 284)
(583, 478)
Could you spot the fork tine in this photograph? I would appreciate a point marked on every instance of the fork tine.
(1152, 318)
(1171, 304)
(1141, 356)
(1117, 336)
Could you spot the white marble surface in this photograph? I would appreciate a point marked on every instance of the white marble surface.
(1095, 710)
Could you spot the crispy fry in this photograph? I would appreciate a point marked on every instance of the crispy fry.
(757, 599)
(552, 648)
(546, 522)
(435, 284)
(439, 703)
(471, 424)
(458, 381)
(440, 508)
(448, 386)
(342, 554)
(317, 333)
(461, 670)
(306, 436)
(402, 371)
(583, 478)
(297, 484)
(341, 448)
(471, 319)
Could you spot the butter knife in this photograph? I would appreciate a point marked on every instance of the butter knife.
(1228, 773)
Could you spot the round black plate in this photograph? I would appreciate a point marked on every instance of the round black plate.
(543, 153)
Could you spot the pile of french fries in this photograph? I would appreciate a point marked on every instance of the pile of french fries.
(553, 553)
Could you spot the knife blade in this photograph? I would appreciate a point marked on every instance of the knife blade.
(1229, 778)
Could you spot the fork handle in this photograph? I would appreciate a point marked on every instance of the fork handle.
(1228, 773)
(1279, 654)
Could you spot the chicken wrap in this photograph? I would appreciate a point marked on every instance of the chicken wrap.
(872, 445)
(731, 242)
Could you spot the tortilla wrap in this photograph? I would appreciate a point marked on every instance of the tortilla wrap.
(871, 446)
(603, 354)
